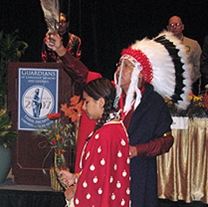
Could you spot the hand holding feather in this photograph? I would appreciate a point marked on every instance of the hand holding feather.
(56, 45)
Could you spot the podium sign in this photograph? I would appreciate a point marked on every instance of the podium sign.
(37, 95)
(34, 89)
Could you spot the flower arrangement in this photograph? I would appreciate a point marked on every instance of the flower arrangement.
(196, 107)
(61, 133)
(62, 130)
(7, 134)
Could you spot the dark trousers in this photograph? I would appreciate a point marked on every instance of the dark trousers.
(196, 87)
(204, 82)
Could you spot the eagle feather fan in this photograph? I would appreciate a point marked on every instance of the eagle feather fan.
(51, 12)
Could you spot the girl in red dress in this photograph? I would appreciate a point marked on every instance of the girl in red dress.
(104, 177)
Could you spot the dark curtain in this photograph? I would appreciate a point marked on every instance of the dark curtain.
(105, 27)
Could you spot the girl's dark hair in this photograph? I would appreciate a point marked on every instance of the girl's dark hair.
(102, 88)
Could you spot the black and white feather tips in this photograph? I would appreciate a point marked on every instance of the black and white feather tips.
(163, 62)
(182, 68)
(51, 10)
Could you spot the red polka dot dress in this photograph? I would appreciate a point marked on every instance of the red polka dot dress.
(105, 180)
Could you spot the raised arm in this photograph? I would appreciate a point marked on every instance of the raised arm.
(73, 66)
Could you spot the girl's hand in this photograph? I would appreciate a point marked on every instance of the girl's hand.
(69, 192)
(68, 177)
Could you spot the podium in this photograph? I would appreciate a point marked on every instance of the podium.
(29, 161)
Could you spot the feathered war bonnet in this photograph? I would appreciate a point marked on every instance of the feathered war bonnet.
(163, 63)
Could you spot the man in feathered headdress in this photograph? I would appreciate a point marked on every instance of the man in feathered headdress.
(147, 71)
(162, 67)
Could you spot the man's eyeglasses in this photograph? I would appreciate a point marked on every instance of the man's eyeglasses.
(125, 65)
(175, 24)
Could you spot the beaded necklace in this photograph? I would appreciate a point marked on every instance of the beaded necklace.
(112, 116)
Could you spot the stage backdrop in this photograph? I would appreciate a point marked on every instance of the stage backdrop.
(105, 26)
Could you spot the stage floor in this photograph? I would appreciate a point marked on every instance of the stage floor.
(12, 195)
(10, 185)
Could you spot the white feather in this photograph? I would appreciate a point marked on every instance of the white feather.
(51, 12)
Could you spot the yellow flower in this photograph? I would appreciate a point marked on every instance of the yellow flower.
(58, 136)
(196, 107)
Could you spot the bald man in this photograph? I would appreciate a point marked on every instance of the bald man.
(193, 49)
